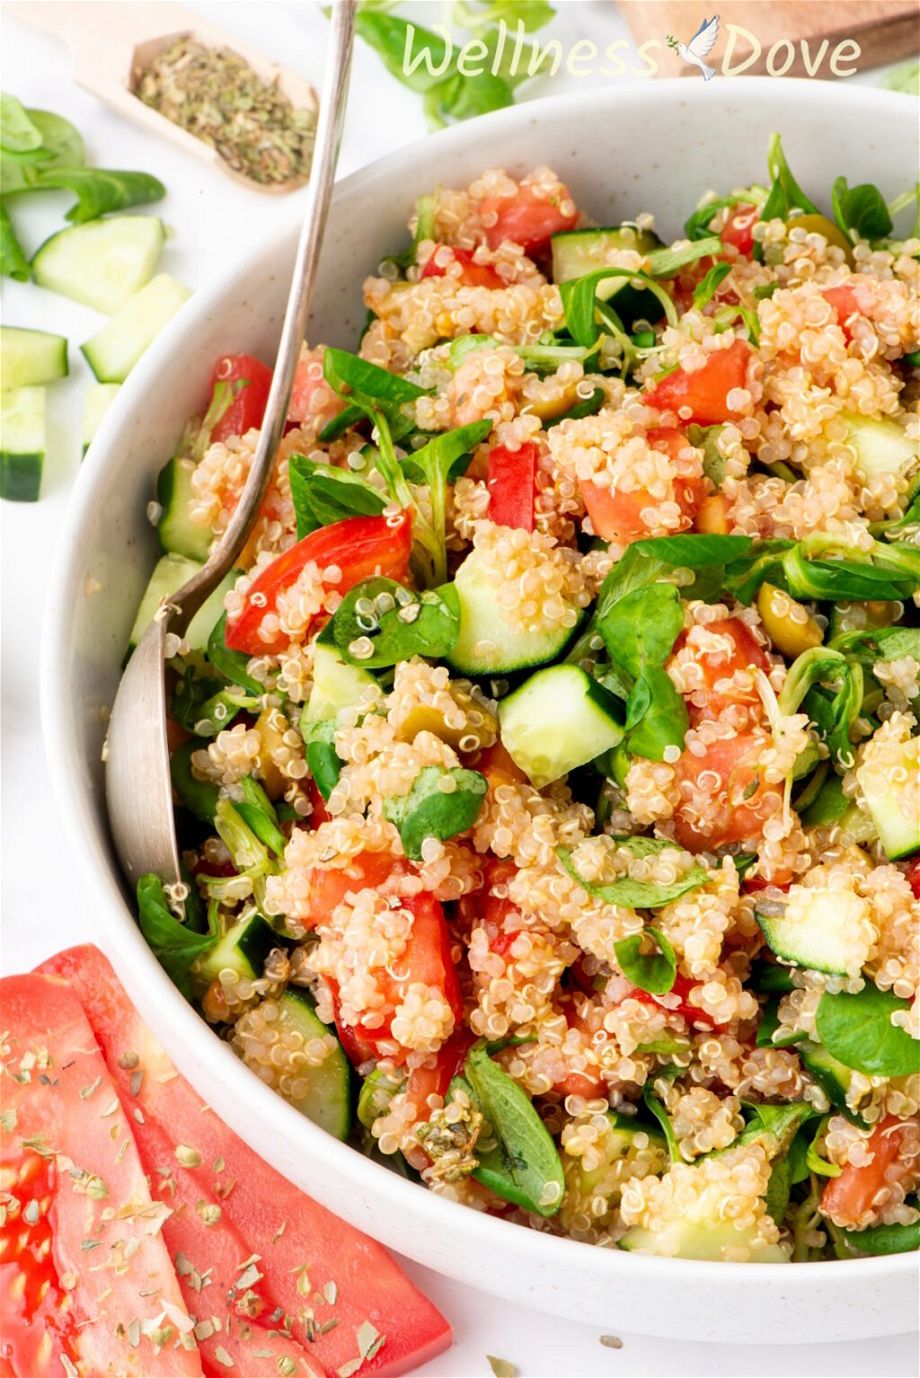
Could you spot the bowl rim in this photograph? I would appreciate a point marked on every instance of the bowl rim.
(232, 1087)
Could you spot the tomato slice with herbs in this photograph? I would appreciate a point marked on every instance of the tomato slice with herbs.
(511, 482)
(706, 390)
(526, 219)
(357, 548)
(848, 1199)
(69, 1154)
(738, 229)
(472, 274)
(245, 1218)
(244, 382)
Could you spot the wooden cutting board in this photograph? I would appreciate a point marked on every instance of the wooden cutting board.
(884, 30)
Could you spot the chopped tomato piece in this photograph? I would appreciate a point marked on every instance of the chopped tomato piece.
(586, 1082)
(846, 304)
(706, 390)
(718, 668)
(723, 796)
(472, 274)
(427, 959)
(318, 811)
(913, 877)
(739, 229)
(847, 1199)
(434, 1081)
(358, 547)
(526, 219)
(686, 1008)
(754, 884)
(255, 1211)
(249, 381)
(497, 765)
(512, 485)
(616, 514)
(313, 402)
(329, 886)
(63, 1106)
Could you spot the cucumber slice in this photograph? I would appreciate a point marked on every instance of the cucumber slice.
(689, 1236)
(818, 940)
(22, 443)
(832, 1076)
(242, 949)
(487, 645)
(177, 532)
(335, 685)
(882, 446)
(328, 1098)
(560, 718)
(577, 252)
(103, 262)
(30, 357)
(116, 348)
(169, 574)
(96, 402)
(894, 804)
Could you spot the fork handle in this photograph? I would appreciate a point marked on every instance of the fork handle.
(186, 602)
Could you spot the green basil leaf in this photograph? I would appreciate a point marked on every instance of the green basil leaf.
(636, 894)
(769, 1023)
(416, 57)
(885, 1239)
(246, 849)
(526, 1162)
(653, 972)
(762, 563)
(813, 1160)
(656, 1106)
(879, 643)
(429, 811)
(100, 190)
(323, 494)
(834, 716)
(782, 1121)
(769, 977)
(370, 388)
(18, 134)
(857, 1030)
(704, 291)
(13, 261)
(399, 625)
(174, 944)
(436, 464)
(322, 758)
(861, 208)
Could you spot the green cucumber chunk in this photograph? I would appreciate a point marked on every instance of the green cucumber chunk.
(177, 532)
(558, 719)
(22, 443)
(894, 803)
(96, 401)
(103, 262)
(577, 252)
(169, 574)
(816, 940)
(242, 949)
(336, 685)
(882, 446)
(115, 349)
(327, 1101)
(487, 643)
(29, 358)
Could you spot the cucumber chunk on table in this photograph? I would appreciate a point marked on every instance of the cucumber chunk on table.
(96, 402)
(115, 349)
(30, 357)
(22, 443)
(103, 262)
(558, 719)
(169, 574)
(177, 532)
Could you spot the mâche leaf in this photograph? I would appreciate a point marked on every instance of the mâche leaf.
(380, 623)
(650, 971)
(636, 894)
(323, 494)
(525, 1166)
(441, 803)
(100, 190)
(857, 1030)
(175, 945)
(861, 208)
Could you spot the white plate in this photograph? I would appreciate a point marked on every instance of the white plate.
(654, 147)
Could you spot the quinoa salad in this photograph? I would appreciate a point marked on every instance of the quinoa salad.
(547, 772)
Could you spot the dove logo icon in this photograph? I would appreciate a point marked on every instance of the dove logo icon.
(700, 46)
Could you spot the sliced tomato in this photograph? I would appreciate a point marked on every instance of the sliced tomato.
(526, 219)
(587, 1083)
(738, 801)
(329, 886)
(65, 1114)
(511, 482)
(846, 1199)
(359, 547)
(913, 877)
(687, 1008)
(706, 390)
(472, 274)
(249, 381)
(845, 303)
(738, 229)
(313, 401)
(719, 667)
(434, 1081)
(260, 1213)
(616, 515)
(427, 959)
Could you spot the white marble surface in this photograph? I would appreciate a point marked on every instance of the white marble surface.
(43, 910)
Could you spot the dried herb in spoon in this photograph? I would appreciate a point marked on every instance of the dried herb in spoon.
(214, 94)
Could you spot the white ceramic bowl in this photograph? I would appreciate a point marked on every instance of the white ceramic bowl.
(651, 147)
